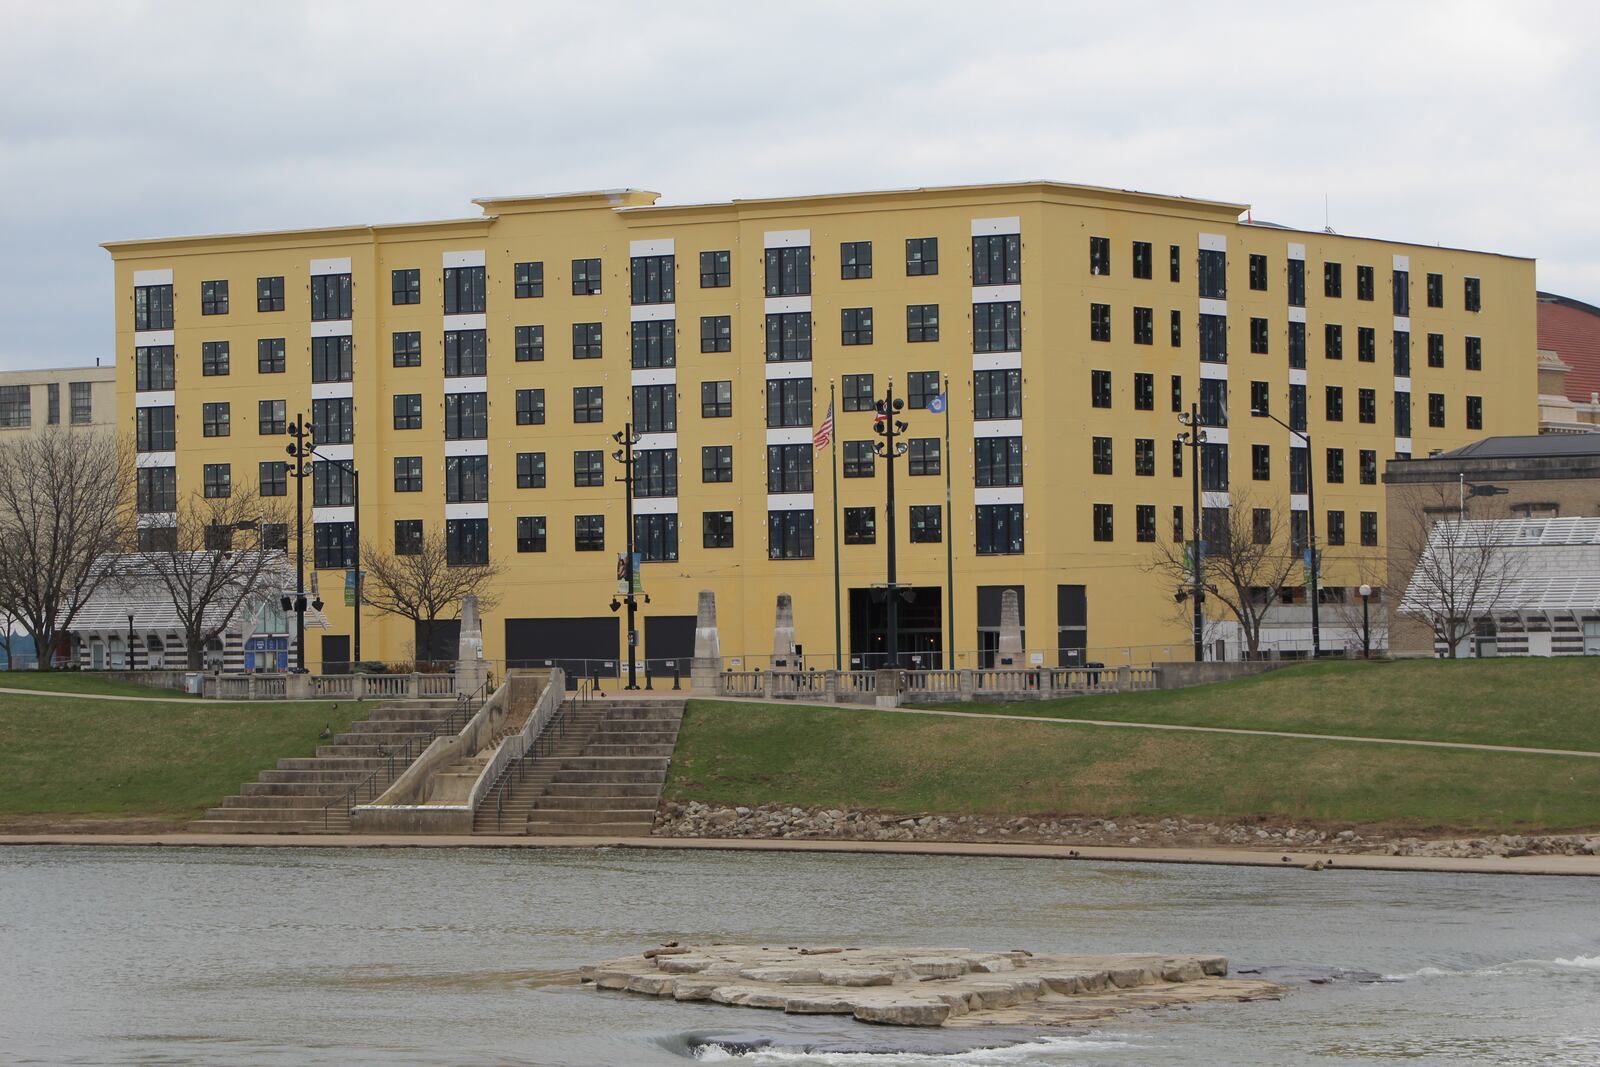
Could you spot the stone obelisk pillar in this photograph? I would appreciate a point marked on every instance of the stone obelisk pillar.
(783, 636)
(1010, 651)
(471, 669)
(707, 662)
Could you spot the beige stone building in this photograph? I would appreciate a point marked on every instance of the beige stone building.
(73, 397)
(1569, 365)
(1535, 478)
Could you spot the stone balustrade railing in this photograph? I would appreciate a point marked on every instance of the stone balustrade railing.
(891, 687)
(328, 686)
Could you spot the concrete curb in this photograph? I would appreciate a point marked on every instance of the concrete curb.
(1585, 866)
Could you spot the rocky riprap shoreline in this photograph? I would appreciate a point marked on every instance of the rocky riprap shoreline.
(925, 986)
(695, 819)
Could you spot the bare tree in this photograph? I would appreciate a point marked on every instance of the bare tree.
(423, 585)
(1246, 564)
(213, 567)
(1457, 570)
(65, 502)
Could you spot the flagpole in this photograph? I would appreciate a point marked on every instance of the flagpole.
(833, 454)
(949, 532)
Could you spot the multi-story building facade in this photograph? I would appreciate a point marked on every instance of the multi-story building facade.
(476, 369)
(74, 398)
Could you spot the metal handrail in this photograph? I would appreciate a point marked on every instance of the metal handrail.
(544, 740)
(449, 725)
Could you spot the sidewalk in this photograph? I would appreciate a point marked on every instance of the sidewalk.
(1231, 857)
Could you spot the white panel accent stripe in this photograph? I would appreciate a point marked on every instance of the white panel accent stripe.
(996, 360)
(1213, 242)
(466, 511)
(474, 258)
(782, 305)
(337, 328)
(781, 371)
(466, 322)
(791, 501)
(330, 266)
(661, 246)
(789, 435)
(996, 294)
(166, 398)
(986, 227)
(1006, 494)
(466, 448)
(153, 277)
(466, 385)
(786, 238)
(656, 505)
(655, 441)
(997, 428)
(652, 312)
(656, 376)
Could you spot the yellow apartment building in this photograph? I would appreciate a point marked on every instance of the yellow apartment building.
(474, 370)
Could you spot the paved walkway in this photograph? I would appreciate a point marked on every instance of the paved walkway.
(1234, 857)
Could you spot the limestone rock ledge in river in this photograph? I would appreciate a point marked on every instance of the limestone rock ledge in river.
(927, 986)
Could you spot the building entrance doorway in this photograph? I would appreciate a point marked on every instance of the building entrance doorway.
(921, 636)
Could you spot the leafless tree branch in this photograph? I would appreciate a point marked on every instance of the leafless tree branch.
(66, 501)
(423, 585)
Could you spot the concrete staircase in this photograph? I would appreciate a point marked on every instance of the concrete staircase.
(613, 788)
(603, 777)
(564, 740)
(293, 797)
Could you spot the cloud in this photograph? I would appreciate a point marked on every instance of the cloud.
(1463, 124)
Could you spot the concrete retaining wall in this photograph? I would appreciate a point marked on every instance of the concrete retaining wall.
(1185, 674)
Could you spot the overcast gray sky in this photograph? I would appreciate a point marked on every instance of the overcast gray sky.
(1469, 124)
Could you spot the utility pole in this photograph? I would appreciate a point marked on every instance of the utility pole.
(1194, 437)
(889, 426)
(1314, 564)
(627, 438)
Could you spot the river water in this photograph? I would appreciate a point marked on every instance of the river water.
(434, 956)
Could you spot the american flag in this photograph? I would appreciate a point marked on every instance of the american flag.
(824, 434)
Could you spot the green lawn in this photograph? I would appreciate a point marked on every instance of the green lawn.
(1543, 703)
(75, 757)
(79, 682)
(806, 756)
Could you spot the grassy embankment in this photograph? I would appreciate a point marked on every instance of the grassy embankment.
(64, 759)
(751, 754)
(78, 682)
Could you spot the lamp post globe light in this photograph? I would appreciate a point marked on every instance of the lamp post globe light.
(888, 425)
(1366, 621)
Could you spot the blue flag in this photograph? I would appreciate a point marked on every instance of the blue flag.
(936, 404)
